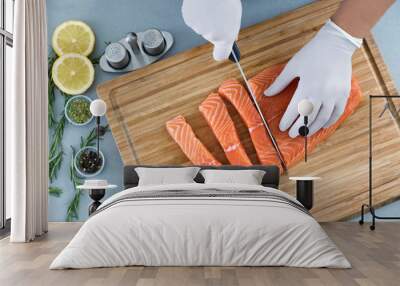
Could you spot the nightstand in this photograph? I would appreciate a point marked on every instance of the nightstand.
(97, 190)
(305, 190)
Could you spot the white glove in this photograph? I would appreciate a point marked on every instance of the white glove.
(324, 68)
(217, 21)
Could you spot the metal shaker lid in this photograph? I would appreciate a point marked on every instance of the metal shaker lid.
(153, 42)
(117, 55)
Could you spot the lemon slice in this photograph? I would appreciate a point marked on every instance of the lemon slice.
(73, 37)
(73, 73)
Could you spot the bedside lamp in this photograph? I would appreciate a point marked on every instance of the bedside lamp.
(305, 108)
(98, 108)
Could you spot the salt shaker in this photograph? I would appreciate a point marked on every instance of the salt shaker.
(117, 55)
(153, 42)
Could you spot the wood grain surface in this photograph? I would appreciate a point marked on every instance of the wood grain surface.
(375, 258)
(142, 101)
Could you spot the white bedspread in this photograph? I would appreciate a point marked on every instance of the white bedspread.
(200, 231)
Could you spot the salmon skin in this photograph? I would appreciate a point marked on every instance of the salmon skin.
(184, 136)
(272, 108)
(216, 114)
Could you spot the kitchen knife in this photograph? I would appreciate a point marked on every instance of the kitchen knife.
(235, 57)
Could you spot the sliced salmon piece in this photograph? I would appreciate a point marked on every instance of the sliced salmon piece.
(274, 107)
(184, 136)
(216, 114)
(235, 93)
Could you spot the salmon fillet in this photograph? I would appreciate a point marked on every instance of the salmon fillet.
(274, 107)
(236, 94)
(216, 114)
(191, 146)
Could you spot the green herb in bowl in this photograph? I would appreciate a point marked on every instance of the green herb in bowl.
(77, 110)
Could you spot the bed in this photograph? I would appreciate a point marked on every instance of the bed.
(201, 224)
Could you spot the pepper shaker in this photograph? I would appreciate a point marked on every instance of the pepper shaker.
(153, 42)
(117, 55)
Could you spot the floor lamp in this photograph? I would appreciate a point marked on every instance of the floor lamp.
(370, 205)
(98, 108)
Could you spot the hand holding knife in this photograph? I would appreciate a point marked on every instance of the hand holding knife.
(220, 26)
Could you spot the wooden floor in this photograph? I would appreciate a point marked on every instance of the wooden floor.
(375, 257)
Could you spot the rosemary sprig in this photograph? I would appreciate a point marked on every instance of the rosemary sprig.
(55, 191)
(56, 149)
(57, 137)
(73, 207)
(90, 139)
(51, 117)
(55, 164)
(51, 93)
(72, 211)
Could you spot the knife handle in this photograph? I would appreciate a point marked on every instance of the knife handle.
(236, 51)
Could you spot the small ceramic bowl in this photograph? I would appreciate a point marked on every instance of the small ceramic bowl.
(70, 120)
(83, 173)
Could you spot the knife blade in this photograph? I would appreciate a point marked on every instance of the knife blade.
(235, 58)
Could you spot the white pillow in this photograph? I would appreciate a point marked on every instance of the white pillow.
(248, 177)
(165, 176)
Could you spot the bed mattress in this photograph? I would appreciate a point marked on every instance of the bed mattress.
(201, 225)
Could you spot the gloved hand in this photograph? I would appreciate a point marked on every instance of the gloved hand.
(324, 68)
(217, 21)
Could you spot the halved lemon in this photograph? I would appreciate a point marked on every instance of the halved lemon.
(73, 37)
(73, 73)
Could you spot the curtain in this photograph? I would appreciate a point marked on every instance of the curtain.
(26, 123)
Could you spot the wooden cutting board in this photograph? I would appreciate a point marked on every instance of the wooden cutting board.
(139, 104)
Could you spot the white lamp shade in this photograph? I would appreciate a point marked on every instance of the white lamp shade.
(98, 107)
(305, 107)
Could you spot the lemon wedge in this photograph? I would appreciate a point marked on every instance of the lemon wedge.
(73, 73)
(73, 37)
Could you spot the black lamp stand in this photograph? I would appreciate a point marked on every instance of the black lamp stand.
(96, 195)
(303, 131)
(100, 131)
(370, 205)
(98, 138)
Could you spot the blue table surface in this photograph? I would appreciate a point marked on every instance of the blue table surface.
(110, 20)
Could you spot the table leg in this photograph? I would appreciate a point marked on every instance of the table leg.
(305, 193)
(96, 195)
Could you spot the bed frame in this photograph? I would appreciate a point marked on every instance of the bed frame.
(270, 179)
